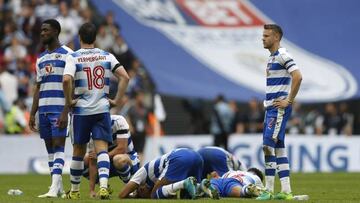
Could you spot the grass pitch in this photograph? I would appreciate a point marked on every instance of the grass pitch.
(321, 187)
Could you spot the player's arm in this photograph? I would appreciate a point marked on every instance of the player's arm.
(127, 189)
(121, 74)
(138, 178)
(290, 65)
(121, 147)
(295, 85)
(34, 107)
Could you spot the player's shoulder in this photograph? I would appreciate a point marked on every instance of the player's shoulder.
(102, 52)
(67, 50)
(42, 54)
(284, 54)
(119, 122)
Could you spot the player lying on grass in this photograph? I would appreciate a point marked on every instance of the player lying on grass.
(219, 160)
(124, 160)
(240, 184)
(163, 177)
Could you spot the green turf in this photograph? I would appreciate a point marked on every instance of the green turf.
(321, 187)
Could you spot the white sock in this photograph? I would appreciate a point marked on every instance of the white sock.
(269, 183)
(285, 185)
(103, 163)
(76, 169)
(172, 188)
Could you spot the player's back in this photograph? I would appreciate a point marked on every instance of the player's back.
(92, 80)
(219, 160)
(120, 129)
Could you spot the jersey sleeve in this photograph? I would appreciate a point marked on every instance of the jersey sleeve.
(115, 64)
(140, 176)
(288, 62)
(70, 67)
(38, 75)
(120, 127)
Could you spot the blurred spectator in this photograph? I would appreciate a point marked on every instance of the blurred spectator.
(195, 107)
(296, 122)
(15, 119)
(76, 8)
(135, 83)
(312, 123)
(69, 24)
(23, 74)
(44, 10)
(255, 117)
(30, 24)
(14, 54)
(4, 105)
(11, 32)
(347, 119)
(221, 122)
(331, 121)
(9, 85)
(104, 40)
(238, 125)
(138, 121)
(89, 16)
(122, 53)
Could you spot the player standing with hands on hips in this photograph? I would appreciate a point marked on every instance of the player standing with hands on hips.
(89, 70)
(283, 80)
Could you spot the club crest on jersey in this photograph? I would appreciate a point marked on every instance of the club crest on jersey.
(49, 69)
(57, 56)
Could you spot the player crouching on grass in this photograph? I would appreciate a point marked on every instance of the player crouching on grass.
(124, 160)
(161, 178)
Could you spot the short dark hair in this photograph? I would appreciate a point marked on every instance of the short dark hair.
(54, 24)
(257, 172)
(87, 33)
(276, 28)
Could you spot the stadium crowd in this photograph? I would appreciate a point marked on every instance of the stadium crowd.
(20, 44)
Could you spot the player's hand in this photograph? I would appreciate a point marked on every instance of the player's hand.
(32, 123)
(92, 155)
(281, 103)
(73, 102)
(114, 103)
(63, 120)
(92, 194)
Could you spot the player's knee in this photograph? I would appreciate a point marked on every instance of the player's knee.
(120, 160)
(268, 150)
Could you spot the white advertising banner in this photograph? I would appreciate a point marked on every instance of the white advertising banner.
(24, 154)
(20, 154)
(306, 153)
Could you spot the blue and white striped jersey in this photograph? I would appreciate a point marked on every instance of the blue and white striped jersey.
(49, 73)
(151, 171)
(120, 129)
(244, 178)
(278, 78)
(219, 160)
(90, 69)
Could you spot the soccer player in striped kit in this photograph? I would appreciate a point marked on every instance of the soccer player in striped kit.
(219, 160)
(89, 68)
(49, 101)
(162, 177)
(283, 79)
(124, 160)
